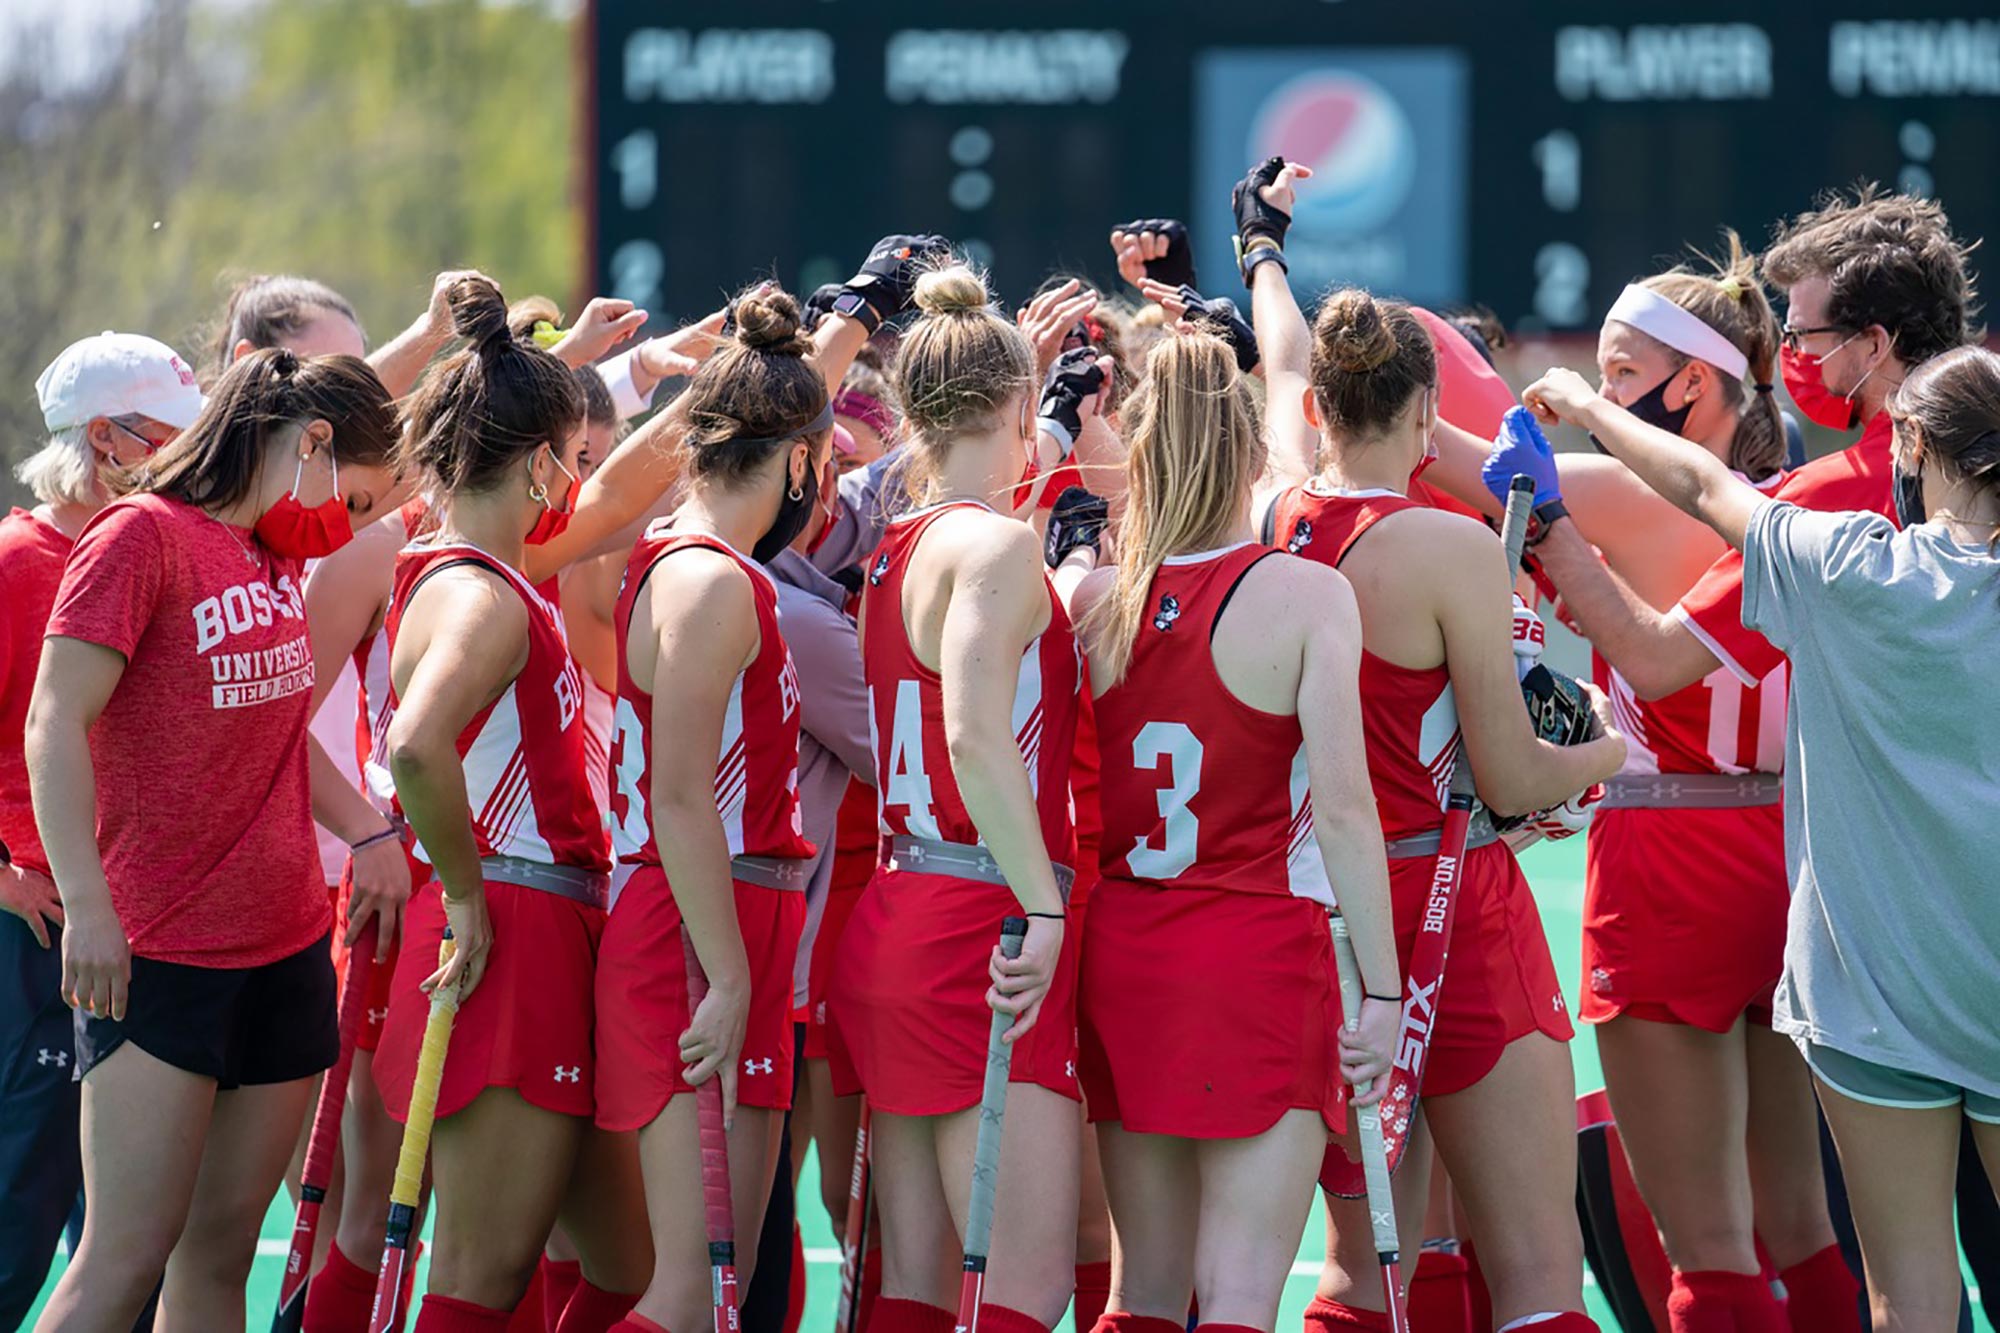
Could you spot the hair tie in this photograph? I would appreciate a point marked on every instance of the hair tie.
(546, 335)
(284, 362)
(1763, 386)
(1730, 286)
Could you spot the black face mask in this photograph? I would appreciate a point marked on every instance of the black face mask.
(1651, 408)
(791, 520)
(1907, 489)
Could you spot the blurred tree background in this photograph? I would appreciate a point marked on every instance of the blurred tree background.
(365, 143)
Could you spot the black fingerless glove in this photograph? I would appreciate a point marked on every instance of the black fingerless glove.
(1176, 266)
(1257, 220)
(1221, 317)
(1078, 519)
(1073, 378)
(881, 289)
(820, 304)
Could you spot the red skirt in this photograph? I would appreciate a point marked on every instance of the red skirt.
(841, 900)
(1684, 915)
(526, 1027)
(909, 1022)
(381, 976)
(642, 993)
(1207, 1014)
(1499, 981)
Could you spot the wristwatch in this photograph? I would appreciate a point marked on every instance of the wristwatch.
(855, 306)
(1543, 518)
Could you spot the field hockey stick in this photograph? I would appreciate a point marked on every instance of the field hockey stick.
(986, 1148)
(325, 1138)
(408, 1187)
(1398, 1109)
(1368, 1128)
(719, 1215)
(854, 1236)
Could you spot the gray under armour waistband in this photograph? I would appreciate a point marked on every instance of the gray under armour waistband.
(771, 872)
(934, 856)
(1692, 791)
(1428, 843)
(590, 887)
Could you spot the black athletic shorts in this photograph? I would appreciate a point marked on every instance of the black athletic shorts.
(239, 1026)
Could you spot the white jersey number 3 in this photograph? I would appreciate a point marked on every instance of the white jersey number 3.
(1173, 742)
(629, 829)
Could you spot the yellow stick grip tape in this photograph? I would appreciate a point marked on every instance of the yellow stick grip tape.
(424, 1090)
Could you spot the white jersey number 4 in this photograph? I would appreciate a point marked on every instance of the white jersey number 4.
(906, 783)
(1173, 742)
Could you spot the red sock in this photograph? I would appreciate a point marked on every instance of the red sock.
(1721, 1302)
(893, 1314)
(341, 1298)
(1124, 1321)
(529, 1316)
(795, 1292)
(1000, 1319)
(1438, 1299)
(594, 1310)
(636, 1323)
(1324, 1316)
(445, 1314)
(1820, 1294)
(871, 1291)
(560, 1279)
(1093, 1292)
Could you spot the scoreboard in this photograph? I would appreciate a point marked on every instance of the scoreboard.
(1532, 157)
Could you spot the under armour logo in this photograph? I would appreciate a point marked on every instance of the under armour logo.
(1556, 1002)
(763, 1066)
(573, 1074)
(1069, 1069)
(378, 1016)
(45, 1056)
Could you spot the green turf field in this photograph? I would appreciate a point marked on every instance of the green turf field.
(1556, 872)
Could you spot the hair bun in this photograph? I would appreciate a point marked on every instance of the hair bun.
(284, 362)
(956, 290)
(1355, 337)
(479, 313)
(768, 320)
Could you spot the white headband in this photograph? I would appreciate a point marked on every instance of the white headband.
(1651, 313)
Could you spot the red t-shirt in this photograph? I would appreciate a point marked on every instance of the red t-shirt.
(204, 812)
(1855, 479)
(31, 566)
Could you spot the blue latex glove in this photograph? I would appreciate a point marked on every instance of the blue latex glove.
(1521, 447)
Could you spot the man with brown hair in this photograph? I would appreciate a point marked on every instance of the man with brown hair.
(1875, 284)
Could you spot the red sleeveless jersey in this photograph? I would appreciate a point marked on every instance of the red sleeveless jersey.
(757, 770)
(1198, 789)
(522, 753)
(916, 791)
(1716, 725)
(1409, 722)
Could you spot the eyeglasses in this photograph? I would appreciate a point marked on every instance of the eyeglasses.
(152, 445)
(1792, 337)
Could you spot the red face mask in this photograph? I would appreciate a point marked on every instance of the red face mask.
(553, 519)
(1805, 381)
(288, 528)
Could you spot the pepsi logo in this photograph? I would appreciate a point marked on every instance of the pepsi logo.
(1356, 138)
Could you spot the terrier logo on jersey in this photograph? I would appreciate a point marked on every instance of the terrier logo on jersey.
(1169, 612)
(1302, 535)
(1600, 980)
(881, 568)
(763, 1066)
(571, 1074)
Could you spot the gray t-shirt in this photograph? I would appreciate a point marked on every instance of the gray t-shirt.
(1892, 788)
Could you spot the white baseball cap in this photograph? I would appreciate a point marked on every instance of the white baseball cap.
(115, 375)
